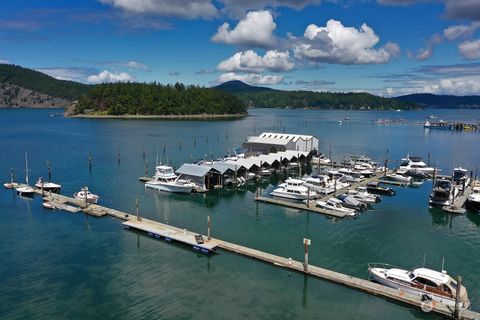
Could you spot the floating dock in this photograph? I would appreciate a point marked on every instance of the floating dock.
(169, 233)
(458, 206)
(312, 207)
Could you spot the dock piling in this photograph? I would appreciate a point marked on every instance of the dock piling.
(146, 168)
(118, 156)
(12, 175)
(143, 151)
(137, 205)
(209, 227)
(49, 171)
(307, 243)
(90, 161)
(456, 313)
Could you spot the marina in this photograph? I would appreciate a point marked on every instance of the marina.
(256, 230)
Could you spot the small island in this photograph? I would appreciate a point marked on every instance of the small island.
(154, 100)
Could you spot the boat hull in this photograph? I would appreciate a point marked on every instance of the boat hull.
(169, 187)
(286, 195)
(473, 205)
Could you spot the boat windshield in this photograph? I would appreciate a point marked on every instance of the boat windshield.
(411, 275)
(453, 283)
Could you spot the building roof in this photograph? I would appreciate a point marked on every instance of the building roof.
(223, 167)
(193, 170)
(265, 140)
(286, 136)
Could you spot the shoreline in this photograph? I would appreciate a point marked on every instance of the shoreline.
(160, 116)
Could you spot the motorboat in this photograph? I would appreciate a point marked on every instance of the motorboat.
(25, 190)
(48, 186)
(399, 177)
(422, 282)
(86, 196)
(349, 201)
(461, 178)
(11, 184)
(319, 184)
(49, 205)
(443, 193)
(266, 172)
(375, 187)
(361, 194)
(334, 204)
(403, 170)
(165, 179)
(320, 159)
(416, 165)
(473, 200)
(294, 189)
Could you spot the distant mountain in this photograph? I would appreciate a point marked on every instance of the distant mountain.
(442, 101)
(22, 87)
(237, 86)
(262, 97)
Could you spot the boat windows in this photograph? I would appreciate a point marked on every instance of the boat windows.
(425, 282)
(446, 289)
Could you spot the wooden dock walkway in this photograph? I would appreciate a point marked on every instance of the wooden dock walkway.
(312, 207)
(168, 232)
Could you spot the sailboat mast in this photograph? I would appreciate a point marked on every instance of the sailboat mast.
(26, 168)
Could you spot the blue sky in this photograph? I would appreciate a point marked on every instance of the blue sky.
(387, 47)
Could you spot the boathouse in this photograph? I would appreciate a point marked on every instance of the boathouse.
(271, 142)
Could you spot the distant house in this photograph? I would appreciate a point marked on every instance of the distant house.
(271, 142)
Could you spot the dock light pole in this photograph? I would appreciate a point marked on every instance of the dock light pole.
(307, 243)
(209, 227)
(137, 205)
(456, 313)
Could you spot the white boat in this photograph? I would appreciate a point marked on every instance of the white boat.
(266, 172)
(85, 194)
(363, 169)
(48, 186)
(320, 159)
(49, 205)
(443, 193)
(319, 184)
(334, 204)
(165, 179)
(25, 189)
(473, 200)
(399, 177)
(416, 165)
(461, 178)
(363, 196)
(438, 286)
(294, 189)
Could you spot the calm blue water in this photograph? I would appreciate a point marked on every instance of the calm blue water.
(70, 266)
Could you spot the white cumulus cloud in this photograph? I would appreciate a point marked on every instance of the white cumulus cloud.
(460, 31)
(188, 9)
(4, 61)
(255, 30)
(336, 43)
(107, 76)
(470, 49)
(251, 78)
(250, 61)
(137, 65)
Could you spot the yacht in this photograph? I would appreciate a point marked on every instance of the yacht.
(25, 189)
(438, 286)
(334, 204)
(375, 187)
(293, 189)
(351, 202)
(320, 159)
(416, 165)
(86, 196)
(473, 200)
(361, 194)
(399, 177)
(48, 186)
(165, 179)
(461, 178)
(319, 184)
(443, 193)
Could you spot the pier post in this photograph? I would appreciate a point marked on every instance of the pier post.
(143, 151)
(209, 227)
(85, 196)
(476, 169)
(118, 156)
(49, 171)
(137, 205)
(90, 161)
(299, 165)
(456, 313)
(428, 160)
(308, 197)
(330, 154)
(12, 175)
(146, 168)
(43, 193)
(307, 243)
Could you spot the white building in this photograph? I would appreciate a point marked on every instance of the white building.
(270, 142)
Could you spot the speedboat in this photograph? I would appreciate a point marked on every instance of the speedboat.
(473, 200)
(49, 205)
(48, 186)
(165, 179)
(349, 201)
(399, 177)
(461, 178)
(361, 194)
(294, 189)
(416, 165)
(375, 187)
(438, 286)
(443, 193)
(86, 196)
(334, 204)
